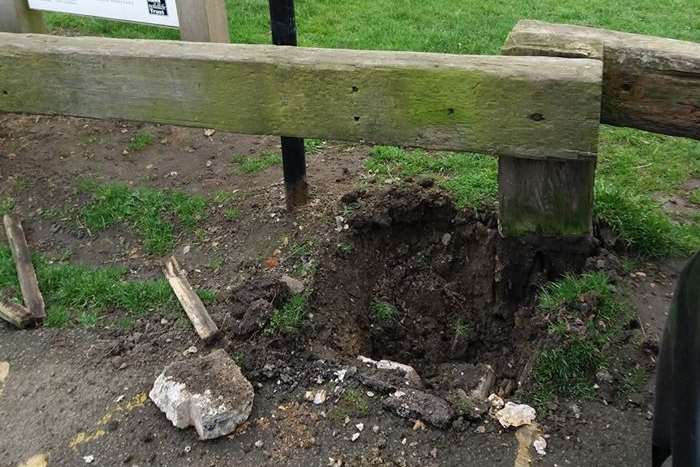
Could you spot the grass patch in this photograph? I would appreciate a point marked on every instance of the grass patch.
(150, 213)
(383, 311)
(313, 146)
(6, 205)
(470, 177)
(584, 316)
(353, 404)
(141, 141)
(82, 295)
(289, 318)
(232, 214)
(463, 329)
(251, 165)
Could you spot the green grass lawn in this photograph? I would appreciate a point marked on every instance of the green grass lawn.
(635, 167)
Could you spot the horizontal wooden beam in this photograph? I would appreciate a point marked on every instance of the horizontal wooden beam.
(532, 107)
(649, 83)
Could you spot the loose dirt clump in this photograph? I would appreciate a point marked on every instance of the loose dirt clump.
(415, 280)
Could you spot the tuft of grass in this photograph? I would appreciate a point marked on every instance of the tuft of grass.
(463, 329)
(641, 223)
(313, 146)
(6, 205)
(581, 336)
(345, 247)
(140, 141)
(150, 213)
(82, 295)
(255, 164)
(353, 403)
(232, 214)
(384, 311)
(471, 178)
(288, 319)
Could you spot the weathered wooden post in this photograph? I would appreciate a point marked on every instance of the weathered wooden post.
(284, 32)
(203, 20)
(15, 16)
(546, 207)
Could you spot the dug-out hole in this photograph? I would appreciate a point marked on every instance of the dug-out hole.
(418, 281)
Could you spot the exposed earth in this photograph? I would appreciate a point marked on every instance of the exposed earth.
(79, 395)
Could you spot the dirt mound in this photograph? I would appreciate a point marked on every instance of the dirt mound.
(415, 280)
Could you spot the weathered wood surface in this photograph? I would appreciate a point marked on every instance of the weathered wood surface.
(17, 315)
(545, 198)
(203, 20)
(649, 83)
(190, 301)
(15, 16)
(29, 285)
(515, 106)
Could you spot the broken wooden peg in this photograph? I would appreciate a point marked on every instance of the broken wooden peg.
(190, 301)
(16, 315)
(28, 282)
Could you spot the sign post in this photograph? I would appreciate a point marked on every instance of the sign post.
(15, 16)
(203, 20)
(284, 32)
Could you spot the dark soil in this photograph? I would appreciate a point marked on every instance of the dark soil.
(88, 385)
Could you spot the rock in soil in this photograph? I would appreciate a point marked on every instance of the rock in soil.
(387, 376)
(475, 380)
(209, 393)
(411, 403)
(516, 415)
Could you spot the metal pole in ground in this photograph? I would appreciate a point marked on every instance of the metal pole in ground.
(284, 32)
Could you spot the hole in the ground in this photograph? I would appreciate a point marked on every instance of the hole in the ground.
(422, 285)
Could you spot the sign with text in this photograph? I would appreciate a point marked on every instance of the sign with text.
(161, 12)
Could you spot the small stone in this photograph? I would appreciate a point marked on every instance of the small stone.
(188, 449)
(480, 429)
(89, 459)
(209, 393)
(295, 285)
(360, 426)
(355, 437)
(415, 404)
(259, 444)
(186, 249)
(604, 376)
(515, 415)
(540, 445)
(164, 321)
(418, 425)
(446, 239)
(375, 429)
(209, 163)
(320, 397)
(209, 132)
(433, 453)
(496, 402)
(190, 350)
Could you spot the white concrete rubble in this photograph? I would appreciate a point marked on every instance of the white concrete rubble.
(515, 415)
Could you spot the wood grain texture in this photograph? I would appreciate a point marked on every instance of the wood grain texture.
(17, 315)
(546, 198)
(190, 301)
(28, 282)
(203, 20)
(534, 107)
(649, 83)
(15, 16)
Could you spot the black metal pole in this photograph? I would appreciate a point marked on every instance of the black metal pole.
(284, 32)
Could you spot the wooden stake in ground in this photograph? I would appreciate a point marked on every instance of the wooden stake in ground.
(190, 301)
(25, 269)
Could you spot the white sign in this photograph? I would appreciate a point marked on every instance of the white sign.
(162, 12)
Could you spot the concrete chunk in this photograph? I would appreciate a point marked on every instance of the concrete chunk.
(209, 393)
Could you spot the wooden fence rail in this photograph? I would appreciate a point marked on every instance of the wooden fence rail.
(534, 107)
(650, 83)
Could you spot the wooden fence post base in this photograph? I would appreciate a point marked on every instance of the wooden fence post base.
(203, 20)
(545, 197)
(545, 219)
(15, 16)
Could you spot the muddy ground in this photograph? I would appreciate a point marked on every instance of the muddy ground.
(74, 393)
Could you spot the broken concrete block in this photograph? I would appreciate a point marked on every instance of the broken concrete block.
(515, 415)
(475, 380)
(471, 407)
(388, 376)
(411, 403)
(209, 393)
